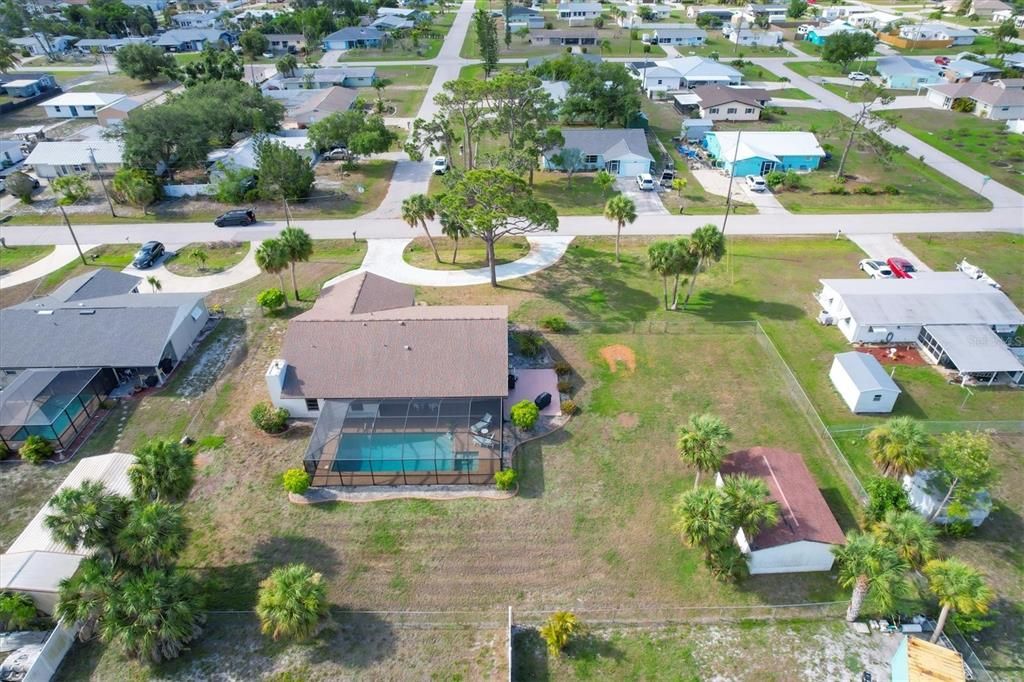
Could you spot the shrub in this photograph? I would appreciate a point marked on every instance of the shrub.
(35, 449)
(554, 323)
(837, 188)
(17, 611)
(524, 414)
(268, 418)
(792, 180)
(569, 407)
(565, 386)
(884, 494)
(958, 529)
(270, 299)
(506, 479)
(891, 190)
(560, 628)
(598, 22)
(563, 368)
(296, 481)
(647, 48)
(530, 344)
(774, 178)
(5, 451)
(866, 189)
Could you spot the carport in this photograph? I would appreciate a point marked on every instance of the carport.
(972, 350)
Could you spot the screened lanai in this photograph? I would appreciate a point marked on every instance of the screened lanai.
(54, 404)
(418, 441)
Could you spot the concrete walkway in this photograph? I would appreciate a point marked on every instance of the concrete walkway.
(61, 256)
(245, 270)
(885, 246)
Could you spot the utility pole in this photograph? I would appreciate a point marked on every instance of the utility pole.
(732, 174)
(287, 213)
(73, 237)
(96, 168)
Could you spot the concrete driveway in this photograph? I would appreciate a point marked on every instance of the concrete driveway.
(885, 246)
(716, 182)
(647, 203)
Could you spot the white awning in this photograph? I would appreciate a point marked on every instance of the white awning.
(974, 348)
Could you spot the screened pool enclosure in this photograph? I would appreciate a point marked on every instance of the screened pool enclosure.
(54, 404)
(419, 441)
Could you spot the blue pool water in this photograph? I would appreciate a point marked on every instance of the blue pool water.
(54, 408)
(399, 452)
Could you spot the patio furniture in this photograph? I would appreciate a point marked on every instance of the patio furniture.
(484, 422)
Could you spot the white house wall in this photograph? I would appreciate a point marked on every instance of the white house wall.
(796, 557)
(857, 400)
(188, 330)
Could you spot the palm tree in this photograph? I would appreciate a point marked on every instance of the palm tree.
(163, 470)
(84, 596)
(910, 534)
(154, 534)
(899, 447)
(199, 256)
(88, 516)
(271, 257)
(154, 283)
(707, 243)
(286, 65)
(604, 180)
(417, 209)
(868, 566)
(561, 627)
(379, 86)
(749, 505)
(605, 46)
(701, 443)
(957, 586)
(620, 209)
(298, 246)
(291, 602)
(9, 57)
(670, 259)
(702, 520)
(455, 231)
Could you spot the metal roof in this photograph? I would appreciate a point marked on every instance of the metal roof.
(866, 372)
(82, 99)
(66, 153)
(771, 145)
(974, 348)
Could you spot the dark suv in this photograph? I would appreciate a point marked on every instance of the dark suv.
(239, 216)
(148, 255)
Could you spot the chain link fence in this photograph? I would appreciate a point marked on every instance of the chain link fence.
(937, 427)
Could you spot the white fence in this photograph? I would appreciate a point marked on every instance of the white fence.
(187, 190)
(54, 650)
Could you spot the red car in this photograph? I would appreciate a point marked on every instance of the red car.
(901, 267)
(942, 61)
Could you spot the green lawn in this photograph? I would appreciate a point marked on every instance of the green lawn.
(115, 256)
(406, 101)
(219, 257)
(579, 196)
(819, 68)
(407, 75)
(14, 257)
(717, 43)
(472, 253)
(790, 93)
(184, 58)
(619, 40)
(851, 92)
(920, 188)
(476, 71)
(986, 146)
(404, 48)
(753, 72)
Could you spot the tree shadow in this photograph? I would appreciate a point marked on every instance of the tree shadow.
(529, 656)
(717, 307)
(354, 639)
(293, 549)
(590, 647)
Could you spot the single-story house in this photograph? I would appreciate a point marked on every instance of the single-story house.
(926, 492)
(620, 151)
(694, 71)
(564, 37)
(194, 19)
(534, 62)
(286, 42)
(770, 13)
(752, 37)
(405, 13)
(723, 103)
(243, 154)
(10, 153)
(304, 107)
(155, 5)
(863, 383)
(354, 37)
(1014, 60)
(78, 104)
(760, 152)
(556, 90)
(29, 87)
(636, 15)
(819, 34)
(967, 71)
(654, 78)
(694, 129)
(98, 321)
(35, 563)
(192, 39)
(803, 539)
(918, 660)
(116, 112)
(107, 45)
(390, 22)
(689, 36)
(574, 12)
(933, 31)
(318, 79)
(957, 322)
(999, 100)
(40, 44)
(431, 410)
(986, 8)
(873, 20)
(524, 17)
(907, 73)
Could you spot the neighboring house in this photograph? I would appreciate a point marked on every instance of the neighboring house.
(755, 38)
(769, 13)
(243, 154)
(390, 22)
(54, 159)
(926, 494)
(304, 107)
(97, 321)
(575, 12)
(116, 112)
(286, 42)
(29, 87)
(966, 71)
(1014, 60)
(953, 34)
(694, 71)
(1000, 100)
(192, 39)
(620, 151)
(556, 90)
(872, 20)
(807, 532)
(353, 38)
(986, 8)
(863, 383)
(525, 17)
(760, 152)
(918, 660)
(106, 45)
(689, 36)
(633, 15)
(430, 411)
(818, 35)
(564, 37)
(654, 78)
(10, 153)
(907, 73)
(959, 323)
(40, 44)
(405, 13)
(194, 20)
(35, 563)
(155, 5)
(694, 129)
(722, 103)
(315, 79)
(78, 104)
(534, 62)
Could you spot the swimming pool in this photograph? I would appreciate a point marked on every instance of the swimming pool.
(61, 409)
(400, 452)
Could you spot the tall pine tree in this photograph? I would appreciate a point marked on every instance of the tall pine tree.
(487, 37)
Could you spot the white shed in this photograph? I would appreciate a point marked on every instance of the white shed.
(926, 494)
(35, 563)
(863, 383)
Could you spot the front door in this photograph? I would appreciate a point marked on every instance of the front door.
(767, 167)
(74, 112)
(613, 167)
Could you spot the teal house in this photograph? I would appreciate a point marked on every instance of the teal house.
(761, 152)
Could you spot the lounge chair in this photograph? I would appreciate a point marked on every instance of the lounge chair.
(484, 423)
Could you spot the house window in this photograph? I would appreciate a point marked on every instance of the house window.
(876, 398)
(56, 108)
(713, 110)
(197, 312)
(731, 110)
(590, 159)
(312, 405)
(748, 110)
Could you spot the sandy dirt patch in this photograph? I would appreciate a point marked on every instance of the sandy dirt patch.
(628, 420)
(618, 353)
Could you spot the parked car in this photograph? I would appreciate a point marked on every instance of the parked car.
(942, 61)
(755, 183)
(645, 182)
(3, 185)
(803, 29)
(149, 254)
(440, 166)
(876, 269)
(338, 154)
(902, 268)
(239, 216)
(858, 76)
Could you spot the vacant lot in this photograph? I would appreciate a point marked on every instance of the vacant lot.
(828, 69)
(852, 91)
(425, 45)
(216, 257)
(986, 146)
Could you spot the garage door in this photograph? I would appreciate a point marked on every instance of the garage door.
(630, 167)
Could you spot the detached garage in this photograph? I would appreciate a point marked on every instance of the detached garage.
(863, 383)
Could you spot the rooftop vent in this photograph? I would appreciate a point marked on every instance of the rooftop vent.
(408, 347)
(90, 311)
(44, 312)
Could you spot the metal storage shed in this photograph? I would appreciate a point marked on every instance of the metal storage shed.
(863, 383)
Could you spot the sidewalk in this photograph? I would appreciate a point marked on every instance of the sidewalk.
(245, 270)
(61, 256)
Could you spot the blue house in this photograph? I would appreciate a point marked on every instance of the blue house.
(354, 37)
(818, 35)
(904, 73)
(757, 153)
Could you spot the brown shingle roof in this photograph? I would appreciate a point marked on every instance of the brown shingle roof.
(715, 95)
(803, 512)
(366, 338)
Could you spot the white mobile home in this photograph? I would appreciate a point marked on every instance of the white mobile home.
(863, 383)
(926, 494)
(78, 104)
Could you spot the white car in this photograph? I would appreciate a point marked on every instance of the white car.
(440, 166)
(645, 182)
(755, 183)
(803, 29)
(876, 269)
(858, 76)
(337, 154)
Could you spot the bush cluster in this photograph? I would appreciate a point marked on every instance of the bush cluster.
(506, 479)
(524, 414)
(554, 323)
(268, 418)
(296, 481)
(530, 344)
(569, 407)
(36, 449)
